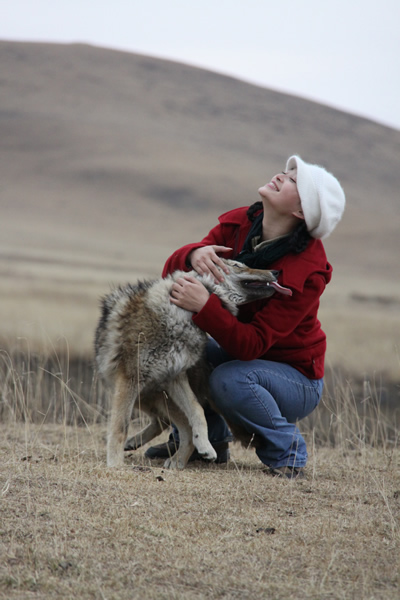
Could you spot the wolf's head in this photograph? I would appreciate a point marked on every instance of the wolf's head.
(243, 284)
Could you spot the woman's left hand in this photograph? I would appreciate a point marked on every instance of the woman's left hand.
(189, 293)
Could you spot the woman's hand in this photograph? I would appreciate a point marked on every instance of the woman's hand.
(205, 261)
(189, 293)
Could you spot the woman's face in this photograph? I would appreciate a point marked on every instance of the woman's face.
(282, 194)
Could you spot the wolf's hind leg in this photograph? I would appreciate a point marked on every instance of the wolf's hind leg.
(156, 405)
(152, 430)
(181, 393)
(180, 459)
(121, 410)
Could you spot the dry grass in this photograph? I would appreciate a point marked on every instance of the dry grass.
(51, 312)
(72, 528)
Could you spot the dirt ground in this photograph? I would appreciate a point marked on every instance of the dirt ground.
(72, 528)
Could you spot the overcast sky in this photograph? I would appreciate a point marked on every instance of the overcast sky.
(344, 53)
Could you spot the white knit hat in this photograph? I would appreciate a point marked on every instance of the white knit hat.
(322, 197)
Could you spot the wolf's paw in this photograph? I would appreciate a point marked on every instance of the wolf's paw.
(174, 463)
(131, 444)
(206, 451)
(115, 461)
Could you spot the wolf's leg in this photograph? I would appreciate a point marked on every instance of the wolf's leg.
(180, 458)
(121, 410)
(181, 393)
(156, 406)
(152, 430)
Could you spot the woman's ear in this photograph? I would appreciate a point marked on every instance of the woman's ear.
(299, 214)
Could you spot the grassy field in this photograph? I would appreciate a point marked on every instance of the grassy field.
(73, 528)
(95, 193)
(109, 162)
(51, 303)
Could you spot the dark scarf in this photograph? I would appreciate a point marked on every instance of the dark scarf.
(267, 255)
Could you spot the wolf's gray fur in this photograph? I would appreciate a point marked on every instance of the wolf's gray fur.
(145, 346)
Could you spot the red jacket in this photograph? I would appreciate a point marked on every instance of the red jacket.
(282, 328)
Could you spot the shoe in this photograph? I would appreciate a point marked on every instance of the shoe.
(163, 450)
(169, 448)
(286, 472)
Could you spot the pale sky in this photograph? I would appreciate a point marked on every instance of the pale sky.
(343, 53)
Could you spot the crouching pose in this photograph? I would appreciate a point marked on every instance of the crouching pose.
(269, 359)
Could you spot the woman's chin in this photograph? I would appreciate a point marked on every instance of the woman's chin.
(264, 191)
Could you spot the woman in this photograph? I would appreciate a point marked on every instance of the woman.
(269, 361)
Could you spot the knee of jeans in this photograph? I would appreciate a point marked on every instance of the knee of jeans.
(223, 385)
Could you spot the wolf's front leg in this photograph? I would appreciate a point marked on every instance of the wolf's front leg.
(182, 395)
(121, 410)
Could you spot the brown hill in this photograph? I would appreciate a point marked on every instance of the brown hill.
(109, 161)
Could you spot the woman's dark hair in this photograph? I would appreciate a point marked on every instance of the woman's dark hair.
(253, 210)
(299, 238)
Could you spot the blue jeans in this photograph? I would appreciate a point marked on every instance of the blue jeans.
(266, 399)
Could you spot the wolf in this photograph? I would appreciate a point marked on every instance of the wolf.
(145, 346)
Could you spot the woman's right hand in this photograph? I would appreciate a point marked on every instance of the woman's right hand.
(205, 261)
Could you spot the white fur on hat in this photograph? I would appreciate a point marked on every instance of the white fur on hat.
(322, 197)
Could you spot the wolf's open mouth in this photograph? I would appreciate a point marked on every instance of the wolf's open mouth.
(274, 284)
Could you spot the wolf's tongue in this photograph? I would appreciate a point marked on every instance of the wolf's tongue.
(280, 288)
